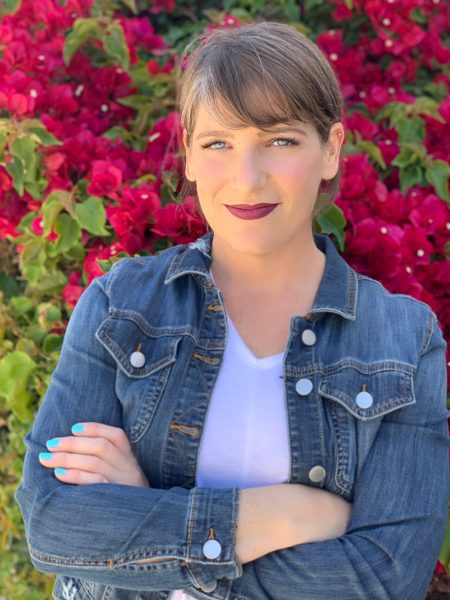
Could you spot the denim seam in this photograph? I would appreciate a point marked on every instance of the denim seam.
(340, 477)
(431, 322)
(118, 314)
(104, 336)
(123, 562)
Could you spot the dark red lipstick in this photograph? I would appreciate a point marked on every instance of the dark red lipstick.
(251, 211)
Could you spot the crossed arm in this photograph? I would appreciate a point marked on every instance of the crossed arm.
(270, 517)
(381, 554)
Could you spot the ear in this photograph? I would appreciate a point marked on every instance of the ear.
(333, 151)
(188, 151)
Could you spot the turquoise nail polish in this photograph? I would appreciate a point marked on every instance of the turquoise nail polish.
(60, 471)
(45, 455)
(52, 443)
(78, 428)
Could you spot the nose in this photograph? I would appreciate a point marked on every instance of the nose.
(248, 174)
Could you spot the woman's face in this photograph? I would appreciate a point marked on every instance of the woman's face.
(248, 166)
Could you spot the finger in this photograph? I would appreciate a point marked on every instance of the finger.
(83, 462)
(78, 477)
(115, 435)
(100, 447)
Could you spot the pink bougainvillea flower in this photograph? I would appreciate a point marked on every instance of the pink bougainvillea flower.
(132, 217)
(73, 290)
(101, 252)
(104, 178)
(140, 32)
(37, 228)
(179, 222)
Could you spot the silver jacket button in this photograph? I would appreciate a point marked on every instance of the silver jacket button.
(137, 359)
(212, 549)
(317, 473)
(309, 338)
(364, 400)
(303, 387)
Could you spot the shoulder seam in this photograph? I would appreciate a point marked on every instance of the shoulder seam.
(431, 323)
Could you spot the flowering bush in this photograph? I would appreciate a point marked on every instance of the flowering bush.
(90, 171)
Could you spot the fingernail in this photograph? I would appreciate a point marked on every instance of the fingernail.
(60, 471)
(45, 455)
(53, 443)
(78, 428)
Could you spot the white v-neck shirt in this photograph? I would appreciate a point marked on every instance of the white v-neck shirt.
(245, 437)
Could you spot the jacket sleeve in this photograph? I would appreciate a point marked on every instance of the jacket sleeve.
(120, 535)
(399, 512)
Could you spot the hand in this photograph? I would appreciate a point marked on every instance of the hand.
(95, 453)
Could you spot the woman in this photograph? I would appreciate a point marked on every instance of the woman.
(244, 417)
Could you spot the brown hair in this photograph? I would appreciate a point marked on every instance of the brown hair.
(258, 75)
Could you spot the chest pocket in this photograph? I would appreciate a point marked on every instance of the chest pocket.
(357, 398)
(141, 378)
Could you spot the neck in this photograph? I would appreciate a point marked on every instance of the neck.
(299, 264)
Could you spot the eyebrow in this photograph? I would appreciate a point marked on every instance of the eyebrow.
(217, 132)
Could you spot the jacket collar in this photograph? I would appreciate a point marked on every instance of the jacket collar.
(338, 289)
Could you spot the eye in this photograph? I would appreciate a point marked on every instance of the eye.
(291, 142)
(211, 144)
(287, 143)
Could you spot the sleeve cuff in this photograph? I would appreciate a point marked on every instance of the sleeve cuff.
(211, 543)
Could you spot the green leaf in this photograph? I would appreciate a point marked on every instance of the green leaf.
(145, 178)
(437, 172)
(410, 130)
(373, 151)
(3, 140)
(50, 210)
(444, 554)
(418, 16)
(15, 369)
(48, 313)
(116, 45)
(82, 30)
(333, 221)
(118, 132)
(69, 233)
(131, 4)
(9, 7)
(15, 168)
(136, 101)
(24, 148)
(52, 343)
(409, 154)
(51, 282)
(91, 216)
(36, 188)
(32, 260)
(9, 286)
(53, 205)
(409, 177)
(21, 304)
(77, 252)
(43, 136)
(428, 106)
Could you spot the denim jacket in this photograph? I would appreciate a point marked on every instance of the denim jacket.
(370, 424)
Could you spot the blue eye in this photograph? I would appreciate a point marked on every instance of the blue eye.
(211, 144)
(291, 142)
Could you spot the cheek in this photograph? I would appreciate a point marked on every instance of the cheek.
(209, 172)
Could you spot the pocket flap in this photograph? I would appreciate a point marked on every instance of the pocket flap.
(122, 335)
(390, 387)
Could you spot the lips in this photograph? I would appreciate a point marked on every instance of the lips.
(251, 211)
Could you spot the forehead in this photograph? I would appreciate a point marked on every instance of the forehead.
(208, 118)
